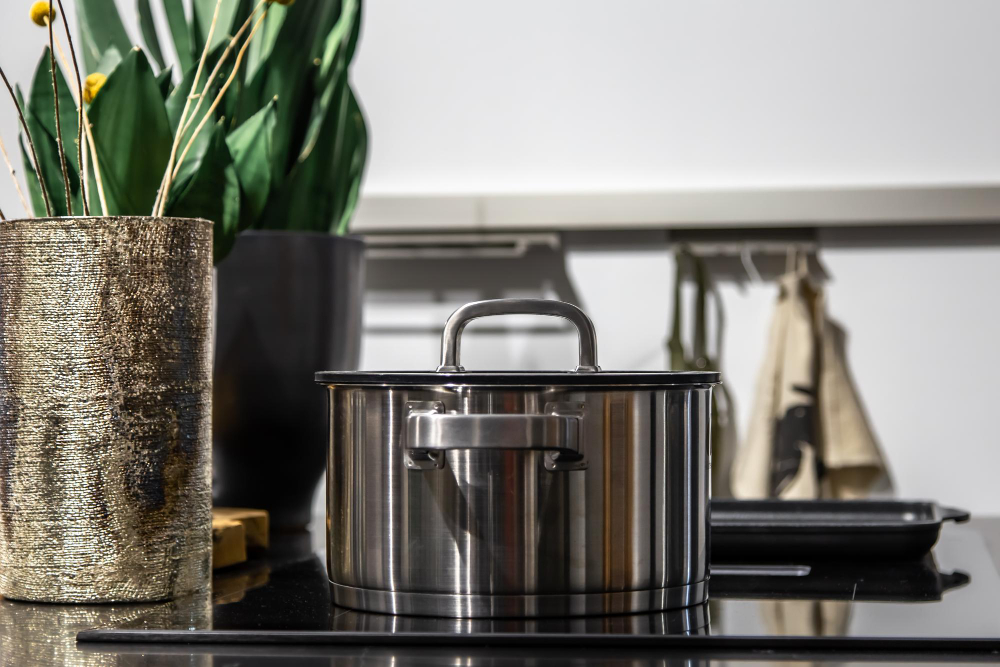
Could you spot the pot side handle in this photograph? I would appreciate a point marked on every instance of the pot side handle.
(451, 339)
(430, 432)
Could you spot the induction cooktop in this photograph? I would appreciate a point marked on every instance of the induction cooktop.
(948, 601)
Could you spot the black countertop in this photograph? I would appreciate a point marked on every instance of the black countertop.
(754, 617)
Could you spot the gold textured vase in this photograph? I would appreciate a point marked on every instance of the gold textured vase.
(105, 408)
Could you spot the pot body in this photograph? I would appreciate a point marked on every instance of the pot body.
(481, 529)
(287, 304)
(105, 409)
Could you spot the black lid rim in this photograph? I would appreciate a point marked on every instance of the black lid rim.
(509, 379)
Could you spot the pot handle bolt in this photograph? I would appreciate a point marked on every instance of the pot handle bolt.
(451, 339)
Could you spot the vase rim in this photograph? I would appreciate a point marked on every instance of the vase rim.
(76, 219)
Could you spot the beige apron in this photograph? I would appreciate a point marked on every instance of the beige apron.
(809, 436)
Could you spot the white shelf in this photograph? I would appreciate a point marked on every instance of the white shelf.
(681, 209)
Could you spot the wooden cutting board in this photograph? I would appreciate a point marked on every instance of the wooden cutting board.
(235, 532)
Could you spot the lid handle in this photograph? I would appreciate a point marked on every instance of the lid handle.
(452, 337)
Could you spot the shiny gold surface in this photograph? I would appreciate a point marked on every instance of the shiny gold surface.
(105, 409)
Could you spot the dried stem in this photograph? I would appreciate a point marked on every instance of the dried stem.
(97, 165)
(160, 202)
(31, 145)
(55, 96)
(2, 216)
(13, 177)
(84, 167)
(90, 137)
(80, 152)
(215, 104)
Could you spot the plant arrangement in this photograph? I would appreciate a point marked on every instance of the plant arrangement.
(259, 128)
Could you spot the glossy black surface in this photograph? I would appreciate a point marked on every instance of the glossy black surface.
(955, 595)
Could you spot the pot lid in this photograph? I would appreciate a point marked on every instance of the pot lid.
(451, 372)
(513, 378)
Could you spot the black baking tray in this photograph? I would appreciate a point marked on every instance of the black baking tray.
(816, 530)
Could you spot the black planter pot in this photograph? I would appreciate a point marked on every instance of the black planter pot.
(288, 305)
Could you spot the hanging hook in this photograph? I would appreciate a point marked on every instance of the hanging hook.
(790, 255)
(802, 262)
(746, 257)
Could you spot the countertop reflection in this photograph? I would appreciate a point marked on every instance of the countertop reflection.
(955, 594)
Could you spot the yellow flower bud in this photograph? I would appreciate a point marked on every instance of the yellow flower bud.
(91, 85)
(41, 13)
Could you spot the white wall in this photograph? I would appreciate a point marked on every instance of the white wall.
(543, 95)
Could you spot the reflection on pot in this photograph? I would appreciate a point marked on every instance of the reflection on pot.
(688, 621)
(493, 657)
(45, 634)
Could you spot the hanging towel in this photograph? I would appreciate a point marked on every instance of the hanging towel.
(809, 436)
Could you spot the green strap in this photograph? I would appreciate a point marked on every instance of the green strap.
(678, 359)
(701, 360)
(705, 356)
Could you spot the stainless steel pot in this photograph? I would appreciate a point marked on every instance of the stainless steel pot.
(485, 494)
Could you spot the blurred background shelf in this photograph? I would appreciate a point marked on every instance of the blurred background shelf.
(748, 208)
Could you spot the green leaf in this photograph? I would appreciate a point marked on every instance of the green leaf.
(338, 50)
(235, 98)
(34, 190)
(356, 156)
(132, 135)
(100, 29)
(343, 39)
(250, 145)
(175, 103)
(40, 117)
(290, 72)
(148, 28)
(202, 20)
(267, 35)
(109, 61)
(165, 81)
(42, 106)
(48, 156)
(212, 192)
(321, 192)
(175, 106)
(174, 10)
(196, 154)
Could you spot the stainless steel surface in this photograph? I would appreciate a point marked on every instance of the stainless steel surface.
(430, 432)
(449, 499)
(288, 303)
(452, 338)
(691, 620)
(512, 606)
